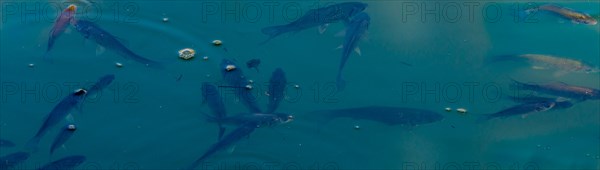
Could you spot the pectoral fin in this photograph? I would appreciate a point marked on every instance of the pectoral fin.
(357, 50)
(99, 50)
(323, 28)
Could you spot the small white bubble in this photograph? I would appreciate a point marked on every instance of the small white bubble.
(31, 65)
(356, 127)
(165, 19)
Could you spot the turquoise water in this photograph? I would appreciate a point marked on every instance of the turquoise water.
(147, 119)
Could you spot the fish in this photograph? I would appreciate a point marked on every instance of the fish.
(561, 63)
(259, 119)
(276, 90)
(235, 78)
(104, 39)
(321, 17)
(253, 64)
(521, 109)
(560, 102)
(561, 89)
(100, 85)
(227, 141)
(58, 113)
(66, 163)
(13, 160)
(60, 25)
(6, 143)
(215, 104)
(355, 31)
(62, 137)
(567, 13)
(384, 114)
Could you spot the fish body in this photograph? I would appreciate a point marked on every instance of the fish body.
(215, 104)
(561, 89)
(317, 17)
(6, 143)
(101, 84)
(235, 78)
(66, 163)
(259, 119)
(58, 113)
(386, 115)
(560, 102)
(227, 141)
(570, 14)
(13, 160)
(560, 63)
(64, 135)
(355, 31)
(522, 109)
(90, 30)
(276, 90)
(60, 25)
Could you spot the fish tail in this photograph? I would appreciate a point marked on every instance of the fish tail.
(147, 62)
(197, 162)
(340, 82)
(46, 57)
(274, 31)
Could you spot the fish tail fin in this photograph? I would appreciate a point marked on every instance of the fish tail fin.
(274, 31)
(340, 83)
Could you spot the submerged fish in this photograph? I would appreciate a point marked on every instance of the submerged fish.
(560, 63)
(561, 89)
(317, 17)
(62, 137)
(234, 77)
(58, 113)
(560, 102)
(60, 25)
(522, 109)
(355, 31)
(215, 104)
(259, 119)
(253, 64)
(227, 141)
(100, 85)
(66, 163)
(90, 30)
(6, 143)
(276, 90)
(13, 160)
(384, 114)
(567, 13)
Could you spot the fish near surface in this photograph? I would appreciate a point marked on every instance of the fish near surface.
(235, 78)
(62, 137)
(276, 90)
(384, 114)
(215, 104)
(567, 13)
(355, 31)
(60, 25)
(317, 17)
(259, 119)
(66, 163)
(13, 160)
(90, 30)
(254, 63)
(522, 109)
(6, 143)
(560, 63)
(561, 89)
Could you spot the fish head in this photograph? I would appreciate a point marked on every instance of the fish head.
(585, 19)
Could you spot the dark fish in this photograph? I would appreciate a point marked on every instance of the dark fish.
(60, 112)
(386, 115)
(90, 30)
(13, 160)
(66, 163)
(62, 137)
(100, 85)
(521, 109)
(227, 141)
(355, 31)
(560, 102)
(215, 103)
(317, 17)
(253, 64)
(277, 85)
(60, 25)
(259, 119)
(561, 89)
(566, 13)
(6, 143)
(235, 78)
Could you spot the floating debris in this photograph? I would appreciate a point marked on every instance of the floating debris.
(249, 87)
(448, 109)
(230, 67)
(296, 86)
(461, 110)
(72, 127)
(250, 81)
(356, 127)
(31, 65)
(165, 19)
(187, 53)
(118, 64)
(217, 42)
(205, 57)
